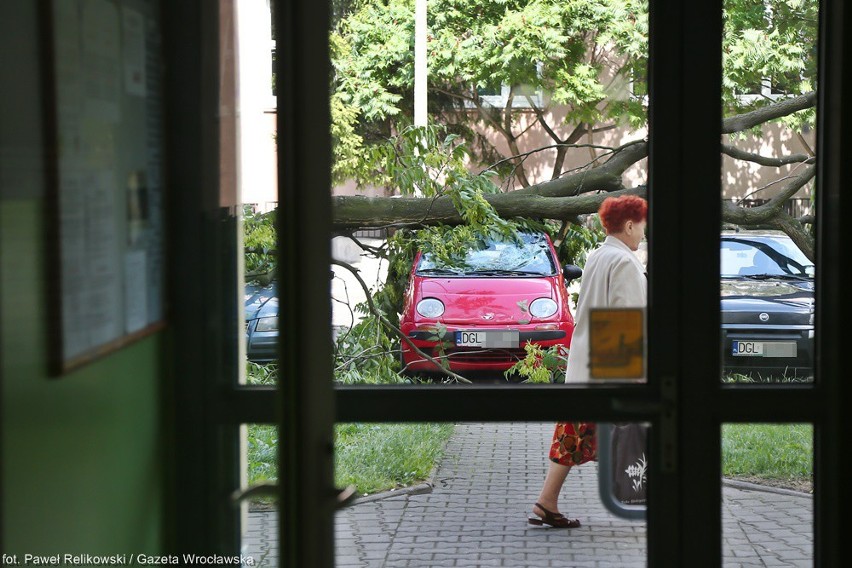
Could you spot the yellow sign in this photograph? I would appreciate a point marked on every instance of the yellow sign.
(617, 343)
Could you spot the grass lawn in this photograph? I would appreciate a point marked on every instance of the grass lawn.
(378, 457)
(372, 457)
(772, 454)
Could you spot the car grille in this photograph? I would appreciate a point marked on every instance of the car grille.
(775, 318)
(751, 333)
(799, 367)
(507, 356)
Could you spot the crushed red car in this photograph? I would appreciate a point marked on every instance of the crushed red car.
(477, 313)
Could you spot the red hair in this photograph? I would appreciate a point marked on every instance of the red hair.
(616, 211)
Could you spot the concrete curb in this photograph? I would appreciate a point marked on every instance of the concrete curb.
(419, 489)
(765, 488)
(427, 486)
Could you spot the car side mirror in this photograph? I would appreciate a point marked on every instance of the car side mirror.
(571, 272)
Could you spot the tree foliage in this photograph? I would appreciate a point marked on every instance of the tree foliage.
(259, 241)
(473, 47)
(578, 67)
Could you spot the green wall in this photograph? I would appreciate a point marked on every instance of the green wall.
(82, 465)
(83, 455)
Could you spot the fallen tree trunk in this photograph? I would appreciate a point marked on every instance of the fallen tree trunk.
(357, 212)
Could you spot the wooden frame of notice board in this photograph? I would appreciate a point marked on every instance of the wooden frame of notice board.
(105, 218)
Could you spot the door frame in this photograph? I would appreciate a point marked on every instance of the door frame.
(683, 399)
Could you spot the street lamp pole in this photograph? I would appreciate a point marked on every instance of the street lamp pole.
(420, 63)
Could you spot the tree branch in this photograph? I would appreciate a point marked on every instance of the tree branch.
(391, 326)
(738, 154)
(772, 214)
(606, 177)
(780, 109)
(797, 232)
(551, 147)
(378, 251)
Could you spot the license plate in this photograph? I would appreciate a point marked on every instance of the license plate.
(763, 349)
(505, 339)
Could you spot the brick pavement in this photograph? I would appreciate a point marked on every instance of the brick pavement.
(476, 516)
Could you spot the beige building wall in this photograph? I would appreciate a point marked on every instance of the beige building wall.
(257, 152)
(742, 179)
(539, 166)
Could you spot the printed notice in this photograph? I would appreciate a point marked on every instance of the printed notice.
(72, 227)
(100, 61)
(103, 293)
(135, 291)
(106, 198)
(133, 52)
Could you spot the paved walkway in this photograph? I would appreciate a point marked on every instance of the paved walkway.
(475, 516)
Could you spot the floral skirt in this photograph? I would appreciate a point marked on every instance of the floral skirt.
(574, 443)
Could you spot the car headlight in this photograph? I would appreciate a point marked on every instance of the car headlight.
(430, 308)
(267, 324)
(543, 308)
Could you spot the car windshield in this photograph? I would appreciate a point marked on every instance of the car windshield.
(530, 256)
(757, 257)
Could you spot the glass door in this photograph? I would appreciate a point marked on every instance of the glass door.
(682, 399)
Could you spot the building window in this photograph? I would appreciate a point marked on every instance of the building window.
(524, 96)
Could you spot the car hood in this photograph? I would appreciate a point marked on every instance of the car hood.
(487, 300)
(745, 296)
(260, 301)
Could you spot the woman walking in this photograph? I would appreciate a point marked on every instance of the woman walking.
(613, 277)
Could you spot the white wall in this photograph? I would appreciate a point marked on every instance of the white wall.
(258, 180)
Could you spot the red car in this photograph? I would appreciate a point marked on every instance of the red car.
(477, 314)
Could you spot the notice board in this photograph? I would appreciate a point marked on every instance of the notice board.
(105, 138)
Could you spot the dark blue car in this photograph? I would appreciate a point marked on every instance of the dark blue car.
(767, 305)
(261, 308)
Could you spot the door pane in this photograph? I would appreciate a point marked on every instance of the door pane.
(546, 98)
(259, 513)
(768, 190)
(767, 508)
(438, 494)
(257, 189)
(473, 509)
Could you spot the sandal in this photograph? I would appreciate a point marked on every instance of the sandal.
(556, 520)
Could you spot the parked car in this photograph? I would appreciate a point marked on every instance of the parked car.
(767, 305)
(261, 311)
(479, 312)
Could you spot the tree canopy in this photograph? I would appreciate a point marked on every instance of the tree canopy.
(560, 72)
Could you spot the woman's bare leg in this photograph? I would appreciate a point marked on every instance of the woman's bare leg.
(553, 482)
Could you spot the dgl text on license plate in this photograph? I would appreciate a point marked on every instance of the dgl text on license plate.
(764, 349)
(747, 348)
(504, 339)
